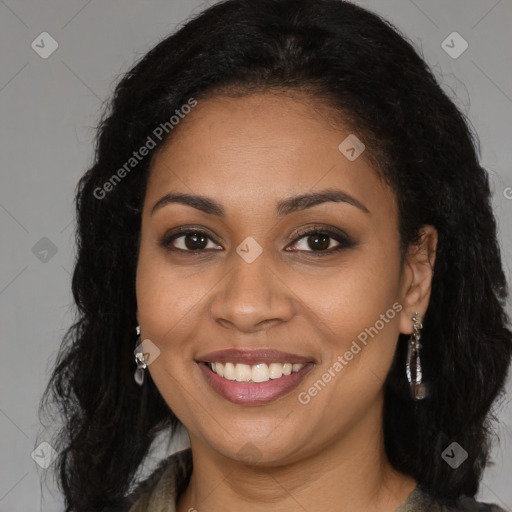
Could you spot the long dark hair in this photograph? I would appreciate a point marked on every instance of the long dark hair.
(371, 77)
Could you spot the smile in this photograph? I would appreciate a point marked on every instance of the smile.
(253, 377)
(261, 372)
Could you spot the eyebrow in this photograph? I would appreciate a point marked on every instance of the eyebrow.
(284, 207)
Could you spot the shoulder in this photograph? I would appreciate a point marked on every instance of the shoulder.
(420, 500)
(164, 484)
(470, 504)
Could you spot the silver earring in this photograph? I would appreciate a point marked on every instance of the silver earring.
(139, 359)
(419, 389)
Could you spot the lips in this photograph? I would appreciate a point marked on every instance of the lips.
(249, 379)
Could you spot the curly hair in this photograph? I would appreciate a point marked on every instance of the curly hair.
(362, 67)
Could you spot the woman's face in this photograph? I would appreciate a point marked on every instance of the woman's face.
(248, 282)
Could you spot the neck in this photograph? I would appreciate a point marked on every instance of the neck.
(350, 473)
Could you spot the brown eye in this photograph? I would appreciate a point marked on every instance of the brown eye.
(321, 241)
(188, 241)
(318, 242)
(195, 241)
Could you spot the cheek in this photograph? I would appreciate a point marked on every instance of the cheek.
(165, 306)
(164, 297)
(373, 284)
(354, 294)
(355, 311)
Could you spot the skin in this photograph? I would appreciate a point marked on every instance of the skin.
(247, 154)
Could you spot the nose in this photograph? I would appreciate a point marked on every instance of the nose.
(252, 297)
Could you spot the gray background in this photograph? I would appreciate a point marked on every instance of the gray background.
(48, 110)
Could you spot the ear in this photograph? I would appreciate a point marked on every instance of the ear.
(417, 274)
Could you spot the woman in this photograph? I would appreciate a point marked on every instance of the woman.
(288, 236)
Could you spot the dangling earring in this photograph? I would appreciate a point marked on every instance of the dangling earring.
(139, 359)
(419, 389)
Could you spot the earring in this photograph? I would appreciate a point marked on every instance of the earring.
(139, 359)
(419, 389)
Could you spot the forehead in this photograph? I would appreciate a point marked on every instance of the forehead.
(257, 148)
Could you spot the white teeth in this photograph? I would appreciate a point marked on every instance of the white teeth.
(229, 371)
(260, 372)
(276, 370)
(242, 373)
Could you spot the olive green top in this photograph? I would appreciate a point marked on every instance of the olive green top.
(160, 491)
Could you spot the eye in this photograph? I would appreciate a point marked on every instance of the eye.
(189, 240)
(317, 239)
(321, 240)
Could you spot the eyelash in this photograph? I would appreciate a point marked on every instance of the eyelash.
(343, 240)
